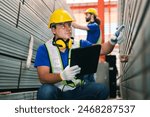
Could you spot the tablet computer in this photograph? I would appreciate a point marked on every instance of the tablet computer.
(87, 58)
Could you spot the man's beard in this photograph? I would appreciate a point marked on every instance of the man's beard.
(88, 19)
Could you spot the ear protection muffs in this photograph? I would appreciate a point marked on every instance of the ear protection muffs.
(63, 44)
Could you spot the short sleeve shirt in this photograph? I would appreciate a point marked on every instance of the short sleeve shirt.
(42, 57)
(93, 33)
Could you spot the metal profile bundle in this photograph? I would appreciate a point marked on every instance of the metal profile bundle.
(9, 11)
(13, 41)
(30, 95)
(39, 9)
(135, 80)
(28, 77)
(19, 19)
(31, 23)
(9, 73)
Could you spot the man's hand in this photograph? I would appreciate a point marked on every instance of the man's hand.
(69, 72)
(118, 36)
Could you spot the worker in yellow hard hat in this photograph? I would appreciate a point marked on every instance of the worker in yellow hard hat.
(59, 80)
(93, 26)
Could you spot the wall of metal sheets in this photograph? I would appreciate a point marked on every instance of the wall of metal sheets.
(135, 74)
(19, 21)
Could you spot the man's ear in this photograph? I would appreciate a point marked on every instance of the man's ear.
(53, 30)
(92, 15)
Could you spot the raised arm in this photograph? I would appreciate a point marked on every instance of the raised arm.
(107, 47)
(78, 26)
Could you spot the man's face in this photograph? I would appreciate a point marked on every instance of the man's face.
(88, 17)
(63, 30)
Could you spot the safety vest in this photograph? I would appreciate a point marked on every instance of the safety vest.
(56, 61)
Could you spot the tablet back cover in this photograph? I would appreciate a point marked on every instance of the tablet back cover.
(87, 58)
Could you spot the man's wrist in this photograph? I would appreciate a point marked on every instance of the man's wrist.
(61, 77)
(113, 40)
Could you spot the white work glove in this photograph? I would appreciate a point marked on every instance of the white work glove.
(69, 73)
(118, 36)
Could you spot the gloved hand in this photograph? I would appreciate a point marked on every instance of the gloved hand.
(69, 72)
(118, 36)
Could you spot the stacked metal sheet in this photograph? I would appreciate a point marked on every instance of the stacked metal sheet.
(135, 80)
(19, 20)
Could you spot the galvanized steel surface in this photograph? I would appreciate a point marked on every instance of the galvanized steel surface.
(19, 19)
(135, 80)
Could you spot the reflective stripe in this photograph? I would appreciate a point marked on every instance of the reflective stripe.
(76, 44)
(55, 59)
(99, 41)
(56, 62)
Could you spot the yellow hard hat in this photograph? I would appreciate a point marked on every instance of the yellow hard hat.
(92, 10)
(59, 16)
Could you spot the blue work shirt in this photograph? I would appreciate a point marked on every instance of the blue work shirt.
(42, 58)
(93, 34)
